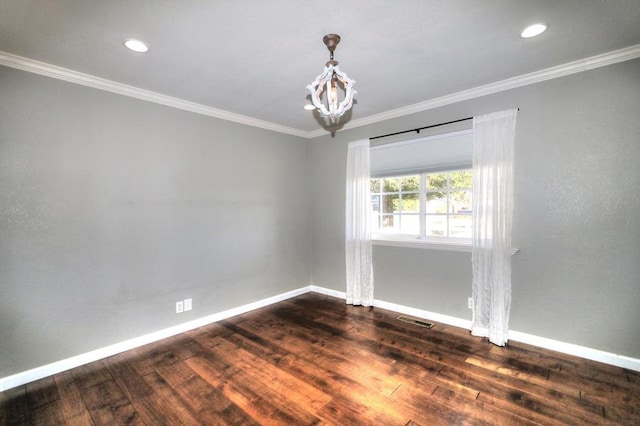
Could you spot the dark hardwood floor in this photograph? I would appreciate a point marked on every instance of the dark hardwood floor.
(315, 360)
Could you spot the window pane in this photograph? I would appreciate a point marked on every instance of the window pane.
(460, 202)
(375, 203)
(390, 223)
(437, 181)
(436, 202)
(410, 203)
(461, 179)
(375, 221)
(436, 226)
(390, 185)
(375, 185)
(460, 226)
(410, 224)
(390, 203)
(410, 183)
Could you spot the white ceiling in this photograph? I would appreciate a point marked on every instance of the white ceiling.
(255, 58)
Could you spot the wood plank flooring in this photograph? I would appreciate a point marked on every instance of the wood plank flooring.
(315, 360)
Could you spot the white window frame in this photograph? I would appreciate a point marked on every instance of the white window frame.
(422, 240)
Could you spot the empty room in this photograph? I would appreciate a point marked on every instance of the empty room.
(346, 212)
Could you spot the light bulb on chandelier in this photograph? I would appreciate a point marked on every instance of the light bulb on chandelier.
(332, 84)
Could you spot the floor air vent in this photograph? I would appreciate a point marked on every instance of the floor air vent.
(415, 322)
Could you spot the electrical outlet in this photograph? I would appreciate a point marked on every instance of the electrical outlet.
(179, 307)
(470, 303)
(188, 304)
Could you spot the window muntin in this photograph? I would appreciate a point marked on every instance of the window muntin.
(427, 205)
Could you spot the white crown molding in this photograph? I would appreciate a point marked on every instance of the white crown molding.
(609, 58)
(42, 68)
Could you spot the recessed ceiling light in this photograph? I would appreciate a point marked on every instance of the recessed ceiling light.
(533, 30)
(309, 107)
(136, 45)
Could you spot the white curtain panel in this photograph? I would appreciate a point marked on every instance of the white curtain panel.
(493, 140)
(358, 226)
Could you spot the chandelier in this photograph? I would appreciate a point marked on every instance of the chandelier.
(332, 91)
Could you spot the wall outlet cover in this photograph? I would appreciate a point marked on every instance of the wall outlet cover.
(188, 304)
(179, 307)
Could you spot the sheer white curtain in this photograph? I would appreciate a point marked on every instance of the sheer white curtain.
(358, 226)
(493, 140)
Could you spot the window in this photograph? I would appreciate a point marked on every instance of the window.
(421, 191)
(426, 205)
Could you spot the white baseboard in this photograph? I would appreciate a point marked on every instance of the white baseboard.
(76, 361)
(401, 309)
(328, 292)
(541, 342)
(576, 350)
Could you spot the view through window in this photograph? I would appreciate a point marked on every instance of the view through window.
(423, 205)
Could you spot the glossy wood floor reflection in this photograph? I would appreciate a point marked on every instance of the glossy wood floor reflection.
(314, 360)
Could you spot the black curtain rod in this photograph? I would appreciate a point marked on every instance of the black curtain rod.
(421, 128)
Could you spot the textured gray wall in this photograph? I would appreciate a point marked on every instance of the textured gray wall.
(112, 209)
(577, 213)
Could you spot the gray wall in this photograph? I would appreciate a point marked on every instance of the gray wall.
(577, 213)
(112, 209)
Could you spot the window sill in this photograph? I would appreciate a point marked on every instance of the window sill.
(414, 242)
(428, 244)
